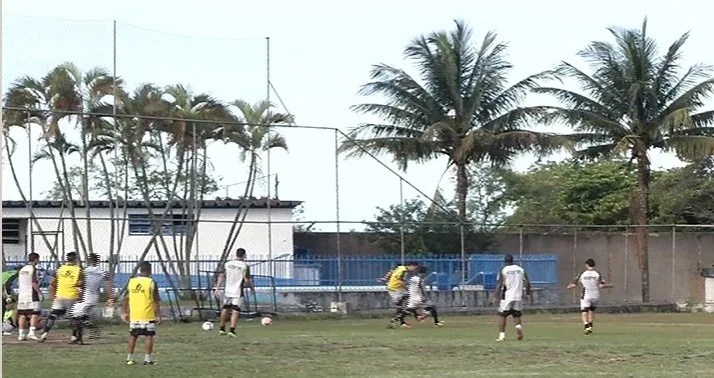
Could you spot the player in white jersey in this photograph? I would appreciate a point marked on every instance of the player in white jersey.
(236, 274)
(509, 294)
(417, 299)
(591, 282)
(28, 298)
(95, 278)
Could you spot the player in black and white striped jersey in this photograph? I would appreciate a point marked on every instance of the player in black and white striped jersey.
(95, 278)
(591, 282)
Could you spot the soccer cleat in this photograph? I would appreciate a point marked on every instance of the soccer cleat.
(501, 339)
(35, 338)
(439, 324)
(130, 362)
(588, 330)
(406, 326)
(232, 334)
(22, 338)
(42, 338)
(6, 333)
(149, 362)
(519, 334)
(222, 332)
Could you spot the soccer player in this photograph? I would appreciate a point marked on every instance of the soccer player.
(8, 299)
(236, 274)
(417, 297)
(396, 286)
(64, 291)
(591, 283)
(142, 311)
(509, 294)
(94, 279)
(28, 298)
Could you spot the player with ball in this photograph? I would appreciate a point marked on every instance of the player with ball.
(236, 275)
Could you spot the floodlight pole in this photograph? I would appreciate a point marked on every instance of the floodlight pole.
(268, 202)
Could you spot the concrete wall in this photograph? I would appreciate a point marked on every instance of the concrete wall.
(674, 264)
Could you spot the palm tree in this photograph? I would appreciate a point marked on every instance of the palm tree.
(252, 133)
(636, 100)
(462, 108)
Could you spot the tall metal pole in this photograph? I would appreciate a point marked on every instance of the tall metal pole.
(337, 216)
(114, 201)
(270, 215)
(463, 263)
(401, 218)
(30, 165)
(520, 245)
(627, 252)
(674, 262)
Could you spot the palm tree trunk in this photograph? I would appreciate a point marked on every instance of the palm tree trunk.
(462, 189)
(643, 182)
(85, 189)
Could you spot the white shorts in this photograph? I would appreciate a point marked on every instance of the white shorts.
(31, 308)
(508, 307)
(63, 304)
(233, 302)
(588, 304)
(80, 309)
(397, 296)
(142, 328)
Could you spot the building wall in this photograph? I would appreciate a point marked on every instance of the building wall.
(212, 233)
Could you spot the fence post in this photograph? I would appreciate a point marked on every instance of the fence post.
(674, 254)
(338, 245)
(627, 254)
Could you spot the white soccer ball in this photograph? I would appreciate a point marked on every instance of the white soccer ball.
(266, 321)
(207, 326)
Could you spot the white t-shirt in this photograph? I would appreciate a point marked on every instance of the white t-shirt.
(512, 277)
(416, 291)
(590, 281)
(94, 278)
(236, 272)
(25, 292)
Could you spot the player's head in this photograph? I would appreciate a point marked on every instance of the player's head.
(508, 259)
(71, 258)
(145, 268)
(33, 258)
(93, 259)
(412, 265)
(240, 253)
(421, 270)
(590, 263)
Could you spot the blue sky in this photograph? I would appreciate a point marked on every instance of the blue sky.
(321, 53)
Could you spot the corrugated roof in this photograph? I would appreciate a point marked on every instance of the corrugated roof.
(212, 204)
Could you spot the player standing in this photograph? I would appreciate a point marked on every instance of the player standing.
(28, 298)
(417, 297)
(591, 282)
(94, 279)
(396, 286)
(142, 311)
(64, 291)
(236, 274)
(509, 294)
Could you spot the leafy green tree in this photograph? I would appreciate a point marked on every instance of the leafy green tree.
(635, 100)
(684, 195)
(461, 107)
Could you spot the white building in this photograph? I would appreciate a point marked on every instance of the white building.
(133, 229)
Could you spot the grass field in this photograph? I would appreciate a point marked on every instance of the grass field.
(651, 345)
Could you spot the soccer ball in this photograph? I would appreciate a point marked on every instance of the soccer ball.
(207, 326)
(266, 321)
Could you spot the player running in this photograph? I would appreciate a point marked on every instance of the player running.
(509, 294)
(65, 290)
(396, 286)
(591, 282)
(236, 274)
(418, 299)
(142, 311)
(28, 298)
(94, 279)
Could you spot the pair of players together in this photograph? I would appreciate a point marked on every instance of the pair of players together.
(512, 283)
(73, 291)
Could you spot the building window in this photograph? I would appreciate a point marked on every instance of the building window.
(11, 230)
(171, 224)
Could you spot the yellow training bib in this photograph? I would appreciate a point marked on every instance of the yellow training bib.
(141, 299)
(67, 280)
(396, 279)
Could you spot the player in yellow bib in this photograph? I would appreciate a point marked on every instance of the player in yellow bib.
(396, 286)
(65, 290)
(142, 311)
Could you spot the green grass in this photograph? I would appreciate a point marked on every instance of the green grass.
(651, 345)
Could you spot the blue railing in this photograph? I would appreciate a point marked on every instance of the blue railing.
(445, 271)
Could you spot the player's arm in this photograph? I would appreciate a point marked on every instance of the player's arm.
(157, 304)
(499, 288)
(53, 286)
(527, 284)
(125, 313)
(385, 278)
(248, 279)
(602, 284)
(574, 283)
(36, 284)
(220, 279)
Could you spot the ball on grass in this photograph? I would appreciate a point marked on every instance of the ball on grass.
(207, 326)
(266, 321)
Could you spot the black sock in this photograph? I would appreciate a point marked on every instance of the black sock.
(50, 323)
(402, 314)
(434, 314)
(223, 328)
(233, 329)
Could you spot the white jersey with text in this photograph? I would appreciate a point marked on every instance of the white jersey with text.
(94, 279)
(416, 288)
(25, 291)
(512, 277)
(590, 280)
(236, 272)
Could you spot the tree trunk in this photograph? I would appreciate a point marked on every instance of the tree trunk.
(462, 189)
(85, 190)
(640, 212)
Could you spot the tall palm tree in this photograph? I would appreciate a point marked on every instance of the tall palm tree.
(635, 100)
(462, 108)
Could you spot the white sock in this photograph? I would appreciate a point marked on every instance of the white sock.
(32, 330)
(502, 335)
(21, 332)
(518, 326)
(130, 357)
(147, 358)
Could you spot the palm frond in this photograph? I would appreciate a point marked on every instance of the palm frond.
(402, 150)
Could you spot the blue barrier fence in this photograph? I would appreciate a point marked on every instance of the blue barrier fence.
(445, 271)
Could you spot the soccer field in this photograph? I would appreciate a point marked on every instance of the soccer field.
(662, 345)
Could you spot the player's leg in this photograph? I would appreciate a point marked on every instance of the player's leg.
(504, 309)
(591, 315)
(584, 317)
(517, 308)
(434, 314)
(59, 309)
(236, 304)
(22, 324)
(134, 332)
(223, 319)
(150, 332)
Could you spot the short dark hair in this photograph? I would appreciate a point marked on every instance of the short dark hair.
(412, 263)
(421, 269)
(145, 267)
(590, 262)
(240, 253)
(508, 259)
(71, 256)
(32, 257)
(93, 258)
